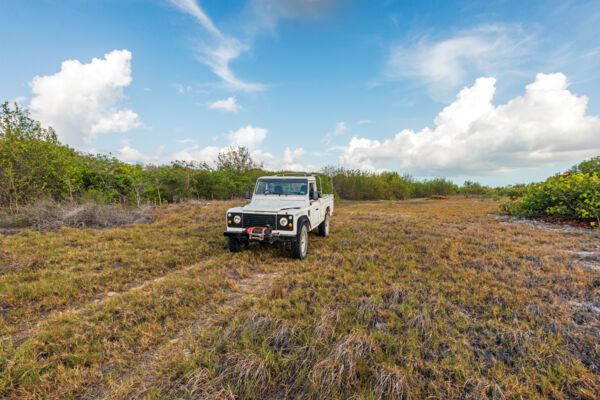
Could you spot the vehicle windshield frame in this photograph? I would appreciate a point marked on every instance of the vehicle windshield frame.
(270, 191)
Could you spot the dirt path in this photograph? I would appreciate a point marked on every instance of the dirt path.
(142, 368)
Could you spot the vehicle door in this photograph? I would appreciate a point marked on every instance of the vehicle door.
(314, 206)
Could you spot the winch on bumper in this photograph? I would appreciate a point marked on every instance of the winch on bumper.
(259, 233)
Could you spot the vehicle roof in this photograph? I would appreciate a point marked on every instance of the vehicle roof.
(288, 177)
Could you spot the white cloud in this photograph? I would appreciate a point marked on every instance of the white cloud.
(19, 100)
(250, 137)
(230, 104)
(192, 8)
(117, 121)
(548, 124)
(129, 154)
(291, 160)
(181, 89)
(186, 141)
(132, 155)
(207, 154)
(363, 121)
(221, 51)
(447, 63)
(81, 100)
(340, 128)
(257, 16)
(247, 136)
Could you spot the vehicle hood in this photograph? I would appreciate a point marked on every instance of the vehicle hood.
(275, 205)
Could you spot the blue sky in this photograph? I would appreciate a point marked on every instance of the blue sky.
(496, 91)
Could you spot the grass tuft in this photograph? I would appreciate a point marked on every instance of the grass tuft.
(340, 370)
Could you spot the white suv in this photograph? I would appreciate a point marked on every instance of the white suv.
(282, 208)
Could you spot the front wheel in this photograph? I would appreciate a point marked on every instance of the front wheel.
(236, 245)
(300, 246)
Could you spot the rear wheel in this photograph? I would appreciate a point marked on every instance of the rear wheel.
(324, 226)
(300, 246)
(236, 245)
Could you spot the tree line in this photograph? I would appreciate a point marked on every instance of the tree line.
(35, 165)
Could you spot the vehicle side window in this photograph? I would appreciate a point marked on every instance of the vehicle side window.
(312, 189)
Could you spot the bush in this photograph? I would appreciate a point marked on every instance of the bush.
(570, 195)
(47, 215)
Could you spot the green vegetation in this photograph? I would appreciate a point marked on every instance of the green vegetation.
(415, 299)
(363, 185)
(572, 195)
(34, 165)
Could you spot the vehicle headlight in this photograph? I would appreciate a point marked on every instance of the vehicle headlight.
(237, 219)
(283, 221)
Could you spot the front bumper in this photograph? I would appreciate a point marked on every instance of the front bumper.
(268, 237)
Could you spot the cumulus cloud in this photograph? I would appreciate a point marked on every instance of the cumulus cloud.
(81, 101)
(129, 154)
(247, 136)
(250, 137)
(291, 160)
(447, 63)
(229, 104)
(547, 124)
(195, 153)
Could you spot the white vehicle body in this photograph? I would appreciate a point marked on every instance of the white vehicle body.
(282, 207)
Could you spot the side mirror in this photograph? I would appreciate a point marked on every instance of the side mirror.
(315, 195)
(247, 195)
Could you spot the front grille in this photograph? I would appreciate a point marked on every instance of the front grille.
(259, 220)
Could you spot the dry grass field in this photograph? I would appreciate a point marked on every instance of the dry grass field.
(419, 299)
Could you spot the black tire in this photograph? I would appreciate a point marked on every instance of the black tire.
(236, 245)
(324, 226)
(300, 246)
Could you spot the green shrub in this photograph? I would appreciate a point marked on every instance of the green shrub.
(571, 195)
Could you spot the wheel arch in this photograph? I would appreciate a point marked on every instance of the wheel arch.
(303, 219)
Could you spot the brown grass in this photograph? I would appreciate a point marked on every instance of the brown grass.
(404, 300)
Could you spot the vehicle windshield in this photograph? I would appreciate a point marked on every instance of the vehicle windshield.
(282, 186)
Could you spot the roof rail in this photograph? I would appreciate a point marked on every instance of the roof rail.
(316, 174)
(300, 174)
(293, 174)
